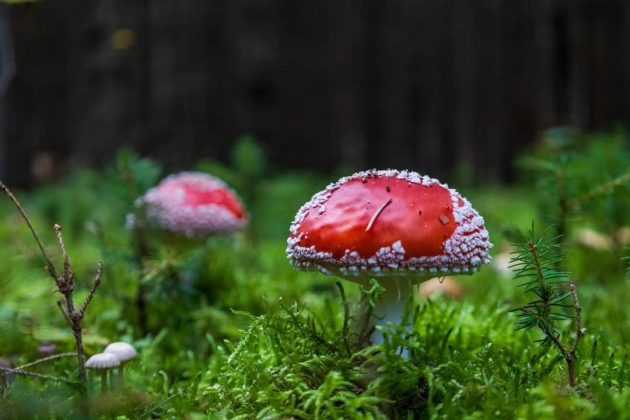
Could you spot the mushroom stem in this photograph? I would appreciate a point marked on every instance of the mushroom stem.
(104, 381)
(121, 378)
(390, 306)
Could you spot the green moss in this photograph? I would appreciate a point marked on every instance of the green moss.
(235, 332)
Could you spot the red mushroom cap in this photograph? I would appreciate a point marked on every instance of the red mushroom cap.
(388, 223)
(194, 204)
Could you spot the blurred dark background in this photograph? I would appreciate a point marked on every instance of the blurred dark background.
(432, 85)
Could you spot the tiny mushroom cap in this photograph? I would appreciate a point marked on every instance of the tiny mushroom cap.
(102, 361)
(194, 204)
(388, 223)
(123, 351)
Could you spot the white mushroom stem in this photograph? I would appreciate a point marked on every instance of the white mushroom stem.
(121, 378)
(104, 373)
(102, 362)
(123, 352)
(390, 306)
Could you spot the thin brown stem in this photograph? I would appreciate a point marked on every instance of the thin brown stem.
(75, 319)
(49, 265)
(533, 250)
(601, 189)
(47, 359)
(580, 332)
(66, 286)
(579, 327)
(67, 268)
(95, 284)
(21, 372)
(67, 281)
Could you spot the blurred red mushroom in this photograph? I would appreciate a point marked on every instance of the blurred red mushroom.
(194, 204)
(399, 226)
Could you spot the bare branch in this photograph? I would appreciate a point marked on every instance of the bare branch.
(40, 376)
(580, 330)
(49, 265)
(97, 282)
(66, 285)
(47, 359)
(68, 274)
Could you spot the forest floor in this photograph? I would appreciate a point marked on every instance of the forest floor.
(233, 331)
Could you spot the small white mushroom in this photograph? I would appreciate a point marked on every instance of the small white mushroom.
(102, 362)
(124, 352)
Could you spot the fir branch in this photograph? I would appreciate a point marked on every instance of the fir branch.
(535, 261)
(605, 188)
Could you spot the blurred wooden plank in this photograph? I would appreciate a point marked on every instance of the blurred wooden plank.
(579, 109)
(431, 85)
(549, 60)
(428, 105)
(344, 57)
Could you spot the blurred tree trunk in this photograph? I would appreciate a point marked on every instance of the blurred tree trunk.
(550, 57)
(346, 36)
(429, 111)
(465, 99)
(624, 53)
(7, 71)
(578, 89)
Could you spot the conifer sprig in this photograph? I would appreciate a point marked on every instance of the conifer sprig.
(535, 263)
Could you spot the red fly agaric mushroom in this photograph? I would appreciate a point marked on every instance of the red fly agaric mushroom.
(399, 226)
(194, 204)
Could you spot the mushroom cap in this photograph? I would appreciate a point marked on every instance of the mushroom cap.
(123, 351)
(388, 223)
(194, 204)
(102, 361)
